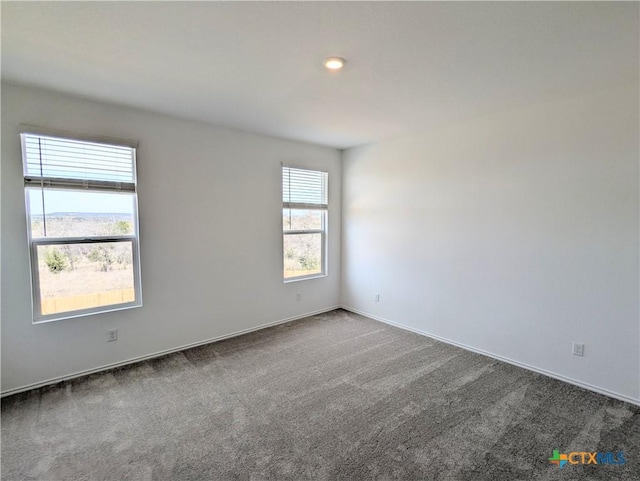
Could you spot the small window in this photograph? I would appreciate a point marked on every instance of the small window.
(82, 222)
(304, 223)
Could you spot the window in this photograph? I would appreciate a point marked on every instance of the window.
(304, 222)
(82, 223)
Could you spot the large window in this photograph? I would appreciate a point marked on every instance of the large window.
(82, 220)
(304, 222)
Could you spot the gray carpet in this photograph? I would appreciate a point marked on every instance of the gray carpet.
(334, 396)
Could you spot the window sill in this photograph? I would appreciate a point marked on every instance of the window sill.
(304, 278)
(85, 313)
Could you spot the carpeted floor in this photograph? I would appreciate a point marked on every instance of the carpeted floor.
(334, 396)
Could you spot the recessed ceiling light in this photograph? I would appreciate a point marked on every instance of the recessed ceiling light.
(334, 63)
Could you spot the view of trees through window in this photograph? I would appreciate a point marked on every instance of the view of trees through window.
(302, 242)
(75, 276)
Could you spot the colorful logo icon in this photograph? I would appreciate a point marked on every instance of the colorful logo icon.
(559, 459)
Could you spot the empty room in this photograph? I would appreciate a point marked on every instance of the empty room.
(320, 240)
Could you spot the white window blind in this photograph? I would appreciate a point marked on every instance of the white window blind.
(60, 162)
(304, 189)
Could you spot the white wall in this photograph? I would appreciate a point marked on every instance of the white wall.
(210, 226)
(513, 234)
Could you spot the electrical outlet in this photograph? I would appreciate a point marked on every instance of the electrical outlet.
(578, 349)
(298, 296)
(112, 335)
(376, 297)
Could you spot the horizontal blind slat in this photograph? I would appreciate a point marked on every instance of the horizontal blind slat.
(80, 184)
(67, 159)
(306, 188)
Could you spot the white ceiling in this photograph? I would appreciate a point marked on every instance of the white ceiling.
(258, 66)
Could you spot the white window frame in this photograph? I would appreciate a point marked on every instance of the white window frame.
(35, 182)
(324, 209)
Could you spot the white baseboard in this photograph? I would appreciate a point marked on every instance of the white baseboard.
(544, 372)
(107, 367)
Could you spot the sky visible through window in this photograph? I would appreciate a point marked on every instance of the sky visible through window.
(64, 201)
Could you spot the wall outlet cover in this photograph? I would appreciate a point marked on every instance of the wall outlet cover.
(577, 349)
